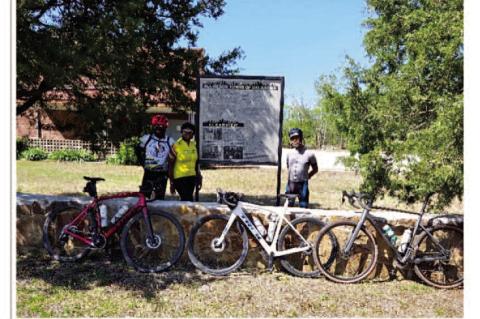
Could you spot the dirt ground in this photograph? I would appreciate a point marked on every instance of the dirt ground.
(103, 286)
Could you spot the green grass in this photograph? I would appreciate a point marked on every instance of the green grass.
(50, 289)
(102, 285)
(258, 184)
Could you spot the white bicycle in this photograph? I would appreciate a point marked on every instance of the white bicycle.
(218, 244)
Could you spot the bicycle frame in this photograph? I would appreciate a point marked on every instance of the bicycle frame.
(271, 249)
(113, 228)
(408, 255)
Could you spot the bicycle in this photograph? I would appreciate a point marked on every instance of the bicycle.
(434, 251)
(151, 241)
(218, 244)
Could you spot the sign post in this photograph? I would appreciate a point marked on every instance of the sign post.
(239, 120)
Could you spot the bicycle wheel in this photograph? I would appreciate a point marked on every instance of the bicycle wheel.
(217, 259)
(152, 255)
(440, 273)
(302, 264)
(345, 268)
(60, 246)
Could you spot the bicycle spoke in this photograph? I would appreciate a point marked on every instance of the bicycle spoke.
(219, 260)
(346, 267)
(302, 232)
(63, 247)
(443, 272)
(157, 253)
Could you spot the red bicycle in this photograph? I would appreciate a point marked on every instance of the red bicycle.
(151, 241)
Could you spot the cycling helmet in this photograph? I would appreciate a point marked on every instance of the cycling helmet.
(159, 120)
(295, 132)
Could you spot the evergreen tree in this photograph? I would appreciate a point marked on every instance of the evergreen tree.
(403, 115)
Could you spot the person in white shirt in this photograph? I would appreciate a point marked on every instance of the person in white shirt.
(157, 146)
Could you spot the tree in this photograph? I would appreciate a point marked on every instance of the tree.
(317, 130)
(135, 53)
(403, 115)
(299, 115)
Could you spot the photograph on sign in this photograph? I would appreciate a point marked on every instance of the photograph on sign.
(239, 119)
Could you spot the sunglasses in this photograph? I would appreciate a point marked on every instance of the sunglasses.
(187, 132)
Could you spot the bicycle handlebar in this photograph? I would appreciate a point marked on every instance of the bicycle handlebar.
(231, 199)
(366, 201)
(363, 199)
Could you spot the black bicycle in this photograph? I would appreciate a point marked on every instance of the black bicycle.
(435, 250)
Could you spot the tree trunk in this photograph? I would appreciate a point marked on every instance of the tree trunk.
(35, 96)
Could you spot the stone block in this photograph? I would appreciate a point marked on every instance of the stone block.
(32, 210)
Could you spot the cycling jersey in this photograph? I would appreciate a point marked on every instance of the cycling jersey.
(186, 158)
(156, 152)
(298, 163)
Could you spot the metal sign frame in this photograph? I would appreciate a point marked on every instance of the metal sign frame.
(281, 79)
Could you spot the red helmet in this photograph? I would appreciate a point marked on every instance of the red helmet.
(159, 120)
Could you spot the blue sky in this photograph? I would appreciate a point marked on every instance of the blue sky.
(299, 40)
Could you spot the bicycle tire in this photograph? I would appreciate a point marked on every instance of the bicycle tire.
(201, 250)
(135, 244)
(346, 269)
(67, 248)
(302, 264)
(450, 237)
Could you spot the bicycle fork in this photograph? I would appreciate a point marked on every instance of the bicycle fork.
(346, 252)
(218, 244)
(152, 241)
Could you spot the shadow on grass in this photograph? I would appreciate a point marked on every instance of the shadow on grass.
(101, 269)
(107, 268)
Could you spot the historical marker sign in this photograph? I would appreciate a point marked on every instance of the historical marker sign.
(239, 119)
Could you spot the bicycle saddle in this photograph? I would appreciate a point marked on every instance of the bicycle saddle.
(93, 179)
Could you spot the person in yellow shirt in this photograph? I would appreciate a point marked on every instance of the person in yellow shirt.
(183, 168)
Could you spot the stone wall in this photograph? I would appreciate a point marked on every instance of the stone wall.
(32, 209)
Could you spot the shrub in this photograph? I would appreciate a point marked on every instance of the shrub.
(113, 159)
(72, 155)
(34, 154)
(22, 145)
(125, 154)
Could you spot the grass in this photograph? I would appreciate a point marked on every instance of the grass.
(103, 286)
(258, 184)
